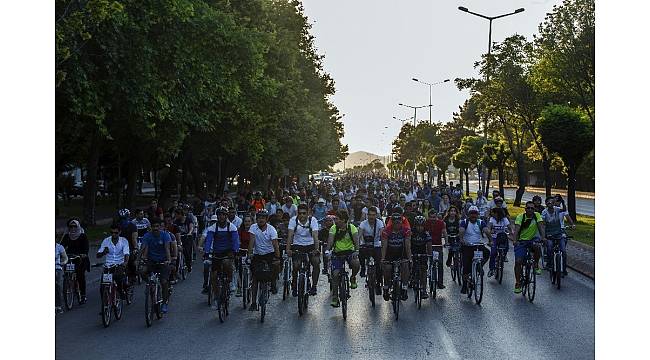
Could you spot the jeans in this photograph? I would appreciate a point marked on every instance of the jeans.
(549, 249)
(188, 249)
(58, 287)
(80, 272)
(468, 258)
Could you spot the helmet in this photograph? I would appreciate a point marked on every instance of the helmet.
(537, 198)
(419, 220)
(221, 210)
(124, 213)
(263, 213)
(472, 209)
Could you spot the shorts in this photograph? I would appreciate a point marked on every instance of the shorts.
(219, 258)
(522, 246)
(393, 254)
(340, 258)
(258, 264)
(161, 269)
(422, 249)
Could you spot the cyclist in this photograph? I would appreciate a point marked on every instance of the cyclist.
(116, 250)
(357, 210)
(303, 235)
(173, 245)
(370, 239)
(205, 247)
(141, 223)
(444, 204)
(438, 230)
(471, 232)
(263, 247)
(343, 240)
(553, 217)
(289, 207)
(130, 232)
(421, 244)
(76, 242)
(60, 258)
(244, 238)
(482, 205)
(499, 203)
(323, 235)
(537, 201)
(452, 226)
(258, 203)
(195, 229)
(273, 204)
(493, 203)
(224, 243)
(185, 228)
(154, 211)
(156, 250)
(233, 218)
(320, 209)
(396, 245)
(335, 207)
(526, 227)
(435, 199)
(499, 226)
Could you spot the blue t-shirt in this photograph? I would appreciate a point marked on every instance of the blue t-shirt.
(222, 239)
(156, 245)
(320, 212)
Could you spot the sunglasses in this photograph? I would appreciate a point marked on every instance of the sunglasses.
(302, 213)
(115, 232)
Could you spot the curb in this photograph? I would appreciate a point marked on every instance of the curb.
(581, 267)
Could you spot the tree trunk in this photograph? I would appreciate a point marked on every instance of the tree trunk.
(571, 190)
(466, 182)
(444, 176)
(521, 180)
(169, 183)
(546, 164)
(487, 182)
(90, 189)
(501, 180)
(131, 182)
(460, 172)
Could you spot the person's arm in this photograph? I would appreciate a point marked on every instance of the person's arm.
(330, 241)
(568, 217)
(134, 239)
(488, 233)
(276, 247)
(64, 257)
(444, 235)
(167, 252)
(515, 234)
(355, 240)
(103, 250)
(251, 243)
(289, 240)
(407, 244)
(541, 226)
(85, 245)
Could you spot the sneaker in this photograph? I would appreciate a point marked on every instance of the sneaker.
(205, 290)
(253, 307)
(463, 290)
(491, 273)
(424, 295)
(238, 292)
(386, 294)
(517, 290)
(164, 308)
(538, 271)
(335, 302)
(405, 294)
(441, 286)
(353, 283)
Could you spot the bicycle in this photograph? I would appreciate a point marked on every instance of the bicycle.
(208, 262)
(558, 261)
(153, 297)
(456, 260)
(371, 281)
(432, 273)
(221, 291)
(344, 283)
(528, 279)
(181, 267)
(111, 301)
(245, 277)
(187, 245)
(70, 283)
(418, 287)
(396, 285)
(304, 281)
(475, 282)
(287, 266)
(500, 260)
(264, 277)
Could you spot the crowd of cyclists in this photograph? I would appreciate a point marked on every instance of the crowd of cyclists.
(353, 220)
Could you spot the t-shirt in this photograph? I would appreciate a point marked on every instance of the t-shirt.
(395, 239)
(302, 234)
(142, 225)
(58, 250)
(116, 252)
(499, 227)
(244, 239)
(263, 239)
(221, 239)
(434, 228)
(345, 243)
(371, 234)
(452, 227)
(292, 210)
(420, 239)
(183, 226)
(320, 211)
(473, 231)
(258, 204)
(236, 221)
(531, 231)
(553, 222)
(156, 245)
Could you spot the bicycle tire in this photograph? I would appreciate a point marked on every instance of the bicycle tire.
(301, 294)
(418, 285)
(532, 284)
(210, 295)
(343, 295)
(68, 292)
(118, 307)
(106, 307)
(371, 283)
(558, 270)
(433, 286)
(478, 284)
(181, 264)
(244, 285)
(453, 268)
(148, 305)
(263, 296)
(499, 269)
(158, 303)
(286, 285)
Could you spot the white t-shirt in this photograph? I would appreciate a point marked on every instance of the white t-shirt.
(263, 239)
(368, 230)
(58, 250)
(302, 236)
(291, 210)
(116, 252)
(236, 221)
(491, 205)
(499, 227)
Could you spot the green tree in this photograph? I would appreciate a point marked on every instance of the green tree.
(569, 133)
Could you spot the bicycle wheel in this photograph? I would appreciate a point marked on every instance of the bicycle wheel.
(557, 267)
(106, 306)
(286, 284)
(532, 282)
(222, 302)
(119, 305)
(453, 268)
(68, 292)
(478, 283)
(245, 288)
(148, 305)
(370, 283)
(210, 295)
(499, 268)
(433, 284)
(263, 296)
(301, 293)
(181, 265)
(158, 302)
(343, 295)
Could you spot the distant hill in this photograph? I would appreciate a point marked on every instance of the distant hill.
(359, 158)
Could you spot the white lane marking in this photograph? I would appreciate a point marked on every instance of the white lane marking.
(447, 343)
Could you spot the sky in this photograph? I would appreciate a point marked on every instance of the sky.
(373, 48)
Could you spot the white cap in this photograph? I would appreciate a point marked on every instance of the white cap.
(321, 200)
(472, 208)
(214, 218)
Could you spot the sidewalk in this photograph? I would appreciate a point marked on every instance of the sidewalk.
(581, 258)
(537, 190)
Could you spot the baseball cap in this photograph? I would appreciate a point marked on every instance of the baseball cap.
(321, 201)
(214, 218)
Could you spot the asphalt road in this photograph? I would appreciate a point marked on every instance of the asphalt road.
(559, 324)
(583, 206)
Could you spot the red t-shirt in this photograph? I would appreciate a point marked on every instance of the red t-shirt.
(258, 204)
(435, 229)
(244, 238)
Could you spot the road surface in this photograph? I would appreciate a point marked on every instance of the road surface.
(558, 325)
(583, 206)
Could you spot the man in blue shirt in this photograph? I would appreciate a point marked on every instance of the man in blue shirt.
(434, 199)
(222, 241)
(157, 257)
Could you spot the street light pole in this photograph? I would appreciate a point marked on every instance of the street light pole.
(430, 88)
(415, 114)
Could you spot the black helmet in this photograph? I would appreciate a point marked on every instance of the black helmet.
(419, 220)
(221, 210)
(263, 213)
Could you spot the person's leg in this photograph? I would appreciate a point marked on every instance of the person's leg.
(294, 273)
(387, 269)
(188, 246)
(164, 282)
(315, 272)
(120, 280)
(520, 253)
(563, 250)
(206, 273)
(493, 255)
(441, 259)
(467, 256)
(355, 266)
(537, 253)
(335, 285)
(228, 269)
(58, 286)
(80, 270)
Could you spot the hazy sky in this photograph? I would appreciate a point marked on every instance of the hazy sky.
(373, 48)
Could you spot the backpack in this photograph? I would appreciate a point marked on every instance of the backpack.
(465, 223)
(216, 228)
(296, 228)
